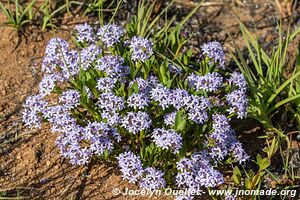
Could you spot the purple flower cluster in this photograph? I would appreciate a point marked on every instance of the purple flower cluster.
(161, 94)
(197, 172)
(210, 82)
(215, 51)
(238, 102)
(84, 33)
(169, 119)
(34, 105)
(47, 84)
(130, 166)
(70, 98)
(167, 139)
(175, 70)
(59, 117)
(153, 179)
(224, 140)
(139, 101)
(132, 170)
(141, 49)
(135, 122)
(180, 98)
(112, 66)
(109, 101)
(110, 34)
(197, 109)
(106, 84)
(238, 79)
(112, 117)
(70, 65)
(124, 101)
(79, 144)
(55, 49)
(145, 86)
(89, 55)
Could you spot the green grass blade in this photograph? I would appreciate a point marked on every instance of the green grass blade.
(28, 8)
(284, 102)
(17, 11)
(190, 14)
(273, 96)
(5, 11)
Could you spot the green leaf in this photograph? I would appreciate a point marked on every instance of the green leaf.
(248, 183)
(236, 176)
(135, 87)
(258, 158)
(180, 122)
(264, 164)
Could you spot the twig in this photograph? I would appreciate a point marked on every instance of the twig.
(193, 4)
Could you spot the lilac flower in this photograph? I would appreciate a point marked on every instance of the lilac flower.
(167, 139)
(179, 98)
(174, 70)
(221, 128)
(100, 144)
(55, 48)
(95, 128)
(169, 119)
(47, 84)
(88, 92)
(110, 34)
(131, 166)
(112, 66)
(197, 115)
(138, 101)
(115, 135)
(84, 33)
(197, 173)
(229, 196)
(161, 94)
(141, 49)
(135, 122)
(194, 101)
(209, 177)
(184, 165)
(144, 86)
(215, 51)
(238, 102)
(210, 82)
(219, 151)
(197, 107)
(112, 117)
(225, 140)
(106, 84)
(34, 105)
(99, 135)
(70, 65)
(88, 55)
(59, 117)
(184, 197)
(70, 98)
(111, 102)
(238, 152)
(69, 143)
(239, 80)
(153, 179)
(79, 144)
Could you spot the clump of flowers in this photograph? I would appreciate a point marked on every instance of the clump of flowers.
(165, 125)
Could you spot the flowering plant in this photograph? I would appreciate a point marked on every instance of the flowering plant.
(165, 121)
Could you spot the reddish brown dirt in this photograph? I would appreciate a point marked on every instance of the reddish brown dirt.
(30, 163)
